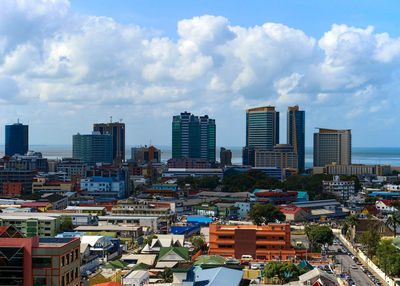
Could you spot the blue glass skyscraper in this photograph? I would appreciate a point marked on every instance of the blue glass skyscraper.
(296, 133)
(16, 139)
(262, 128)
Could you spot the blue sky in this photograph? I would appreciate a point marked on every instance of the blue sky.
(313, 16)
(65, 65)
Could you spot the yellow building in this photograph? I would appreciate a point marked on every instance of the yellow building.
(41, 184)
(105, 275)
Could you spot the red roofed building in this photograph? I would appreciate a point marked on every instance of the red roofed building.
(39, 206)
(372, 210)
(294, 214)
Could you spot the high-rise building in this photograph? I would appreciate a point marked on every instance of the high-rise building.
(249, 156)
(117, 131)
(145, 154)
(331, 145)
(225, 157)
(193, 137)
(296, 133)
(93, 148)
(262, 128)
(17, 141)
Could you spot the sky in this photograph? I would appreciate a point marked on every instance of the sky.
(65, 65)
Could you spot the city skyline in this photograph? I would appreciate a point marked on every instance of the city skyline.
(205, 59)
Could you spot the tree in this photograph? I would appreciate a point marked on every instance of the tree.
(319, 235)
(263, 214)
(369, 201)
(386, 253)
(148, 240)
(198, 242)
(370, 240)
(393, 221)
(351, 221)
(272, 269)
(283, 270)
(166, 275)
(66, 223)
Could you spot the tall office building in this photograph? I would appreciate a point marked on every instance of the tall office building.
(117, 131)
(93, 148)
(193, 137)
(331, 145)
(262, 128)
(17, 141)
(225, 157)
(296, 133)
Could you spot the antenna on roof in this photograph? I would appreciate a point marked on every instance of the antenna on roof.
(18, 120)
(110, 119)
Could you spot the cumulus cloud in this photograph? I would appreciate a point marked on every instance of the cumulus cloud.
(52, 59)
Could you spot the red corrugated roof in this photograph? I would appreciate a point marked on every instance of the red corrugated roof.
(3, 229)
(35, 204)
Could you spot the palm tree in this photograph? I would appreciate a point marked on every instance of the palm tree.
(166, 275)
(351, 221)
(393, 221)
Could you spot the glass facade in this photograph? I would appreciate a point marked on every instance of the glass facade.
(262, 128)
(93, 148)
(11, 265)
(296, 133)
(117, 131)
(193, 137)
(16, 139)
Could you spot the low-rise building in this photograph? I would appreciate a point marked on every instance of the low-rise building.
(341, 189)
(294, 214)
(183, 172)
(275, 197)
(136, 278)
(103, 187)
(57, 201)
(356, 169)
(129, 235)
(150, 222)
(266, 242)
(44, 185)
(11, 190)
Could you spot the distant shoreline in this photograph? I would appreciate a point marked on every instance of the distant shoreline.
(360, 155)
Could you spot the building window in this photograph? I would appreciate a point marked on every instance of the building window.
(39, 281)
(62, 261)
(225, 237)
(261, 237)
(76, 254)
(261, 246)
(225, 246)
(41, 262)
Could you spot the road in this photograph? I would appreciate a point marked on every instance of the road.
(345, 261)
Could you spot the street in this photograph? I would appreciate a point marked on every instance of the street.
(346, 264)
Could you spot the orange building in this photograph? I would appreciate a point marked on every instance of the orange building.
(12, 190)
(266, 242)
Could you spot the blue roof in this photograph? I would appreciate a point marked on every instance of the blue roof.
(219, 276)
(383, 194)
(302, 194)
(198, 219)
(103, 179)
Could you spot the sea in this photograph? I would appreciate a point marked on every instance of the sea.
(360, 155)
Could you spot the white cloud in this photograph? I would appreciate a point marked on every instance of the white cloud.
(86, 68)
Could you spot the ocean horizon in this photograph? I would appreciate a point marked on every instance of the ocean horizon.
(360, 155)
